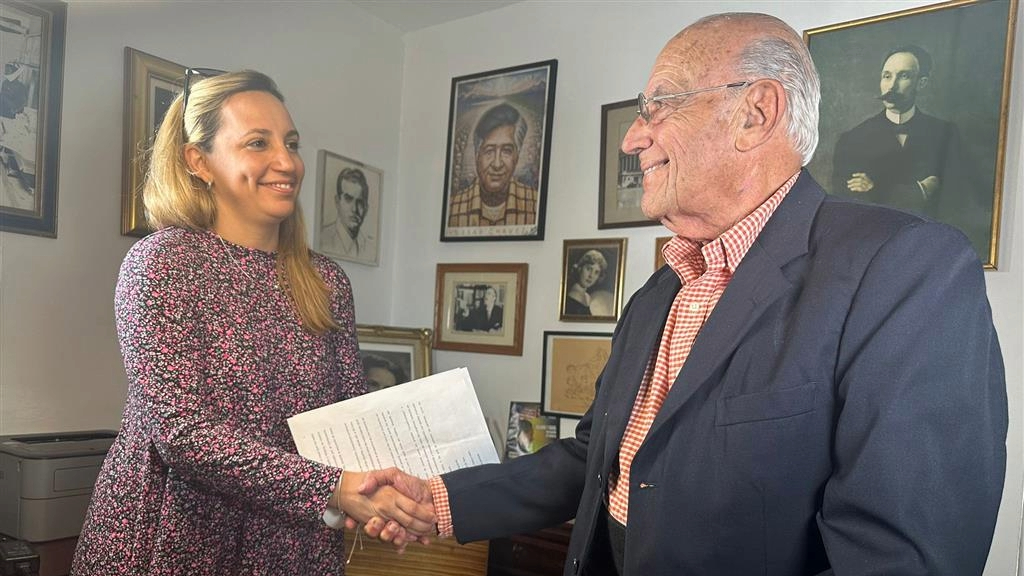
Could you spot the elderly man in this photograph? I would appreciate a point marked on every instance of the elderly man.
(811, 385)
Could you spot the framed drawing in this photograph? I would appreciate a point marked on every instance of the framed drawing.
(393, 355)
(150, 85)
(572, 363)
(913, 112)
(348, 209)
(31, 88)
(659, 258)
(621, 179)
(592, 278)
(528, 429)
(480, 308)
(499, 142)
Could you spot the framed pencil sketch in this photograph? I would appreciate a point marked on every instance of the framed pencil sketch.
(528, 429)
(572, 363)
(150, 85)
(499, 143)
(348, 209)
(31, 89)
(393, 355)
(621, 179)
(659, 257)
(592, 279)
(913, 112)
(480, 308)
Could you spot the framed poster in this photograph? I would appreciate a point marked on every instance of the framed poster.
(499, 143)
(150, 85)
(621, 179)
(913, 112)
(31, 92)
(592, 279)
(572, 363)
(348, 209)
(392, 355)
(528, 429)
(480, 308)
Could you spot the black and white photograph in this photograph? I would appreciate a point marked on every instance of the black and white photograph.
(913, 112)
(348, 209)
(528, 429)
(480, 307)
(592, 277)
(32, 54)
(499, 142)
(393, 355)
(621, 180)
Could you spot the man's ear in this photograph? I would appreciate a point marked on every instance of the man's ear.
(922, 82)
(761, 112)
(195, 160)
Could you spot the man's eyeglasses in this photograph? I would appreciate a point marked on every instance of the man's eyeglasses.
(643, 102)
(189, 73)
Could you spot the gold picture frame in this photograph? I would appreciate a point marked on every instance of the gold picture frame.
(403, 353)
(659, 257)
(572, 363)
(584, 298)
(480, 308)
(947, 160)
(150, 85)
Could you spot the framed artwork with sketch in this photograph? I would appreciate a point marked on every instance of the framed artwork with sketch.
(572, 363)
(499, 143)
(393, 355)
(913, 112)
(348, 209)
(480, 308)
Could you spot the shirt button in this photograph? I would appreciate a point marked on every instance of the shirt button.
(694, 307)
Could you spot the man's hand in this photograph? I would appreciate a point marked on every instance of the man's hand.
(414, 488)
(387, 512)
(860, 182)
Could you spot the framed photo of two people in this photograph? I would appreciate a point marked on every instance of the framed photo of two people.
(499, 142)
(913, 112)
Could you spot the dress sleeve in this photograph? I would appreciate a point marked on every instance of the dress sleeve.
(346, 341)
(164, 346)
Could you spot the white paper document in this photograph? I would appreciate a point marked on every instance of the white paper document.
(425, 427)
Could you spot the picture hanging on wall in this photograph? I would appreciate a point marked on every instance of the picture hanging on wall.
(393, 355)
(592, 279)
(499, 143)
(31, 88)
(913, 112)
(572, 363)
(348, 209)
(480, 308)
(620, 183)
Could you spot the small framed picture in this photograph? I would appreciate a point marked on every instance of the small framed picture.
(499, 143)
(480, 308)
(659, 256)
(592, 278)
(621, 179)
(528, 429)
(572, 363)
(394, 355)
(348, 209)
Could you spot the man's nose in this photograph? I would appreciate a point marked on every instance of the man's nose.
(638, 137)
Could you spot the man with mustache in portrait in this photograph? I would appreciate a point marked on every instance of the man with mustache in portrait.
(902, 157)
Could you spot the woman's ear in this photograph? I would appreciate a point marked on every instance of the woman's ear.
(195, 160)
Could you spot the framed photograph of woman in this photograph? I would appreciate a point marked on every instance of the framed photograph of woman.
(913, 112)
(348, 209)
(499, 143)
(572, 362)
(393, 355)
(480, 308)
(592, 278)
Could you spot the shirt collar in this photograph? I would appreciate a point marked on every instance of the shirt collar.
(897, 118)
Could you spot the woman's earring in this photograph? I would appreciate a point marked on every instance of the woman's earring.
(209, 186)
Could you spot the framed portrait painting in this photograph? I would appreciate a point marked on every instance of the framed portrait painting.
(499, 143)
(572, 363)
(150, 85)
(913, 112)
(480, 308)
(31, 88)
(348, 209)
(393, 355)
(592, 279)
(621, 179)
(529, 429)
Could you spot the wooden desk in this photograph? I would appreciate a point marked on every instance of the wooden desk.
(441, 558)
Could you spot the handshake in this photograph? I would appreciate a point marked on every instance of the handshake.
(391, 505)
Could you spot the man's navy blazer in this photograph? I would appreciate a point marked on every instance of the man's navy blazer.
(844, 407)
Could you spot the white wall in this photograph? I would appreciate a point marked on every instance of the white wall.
(341, 73)
(604, 52)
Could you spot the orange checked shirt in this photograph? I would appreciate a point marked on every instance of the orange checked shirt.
(705, 271)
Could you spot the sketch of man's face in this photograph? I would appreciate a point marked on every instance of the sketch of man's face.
(900, 81)
(496, 160)
(351, 205)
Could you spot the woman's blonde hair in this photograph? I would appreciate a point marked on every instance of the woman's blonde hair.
(175, 197)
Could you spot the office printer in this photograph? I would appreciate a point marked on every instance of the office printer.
(46, 481)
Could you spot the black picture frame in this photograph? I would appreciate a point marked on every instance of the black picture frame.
(30, 136)
(572, 363)
(959, 115)
(521, 98)
(620, 182)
